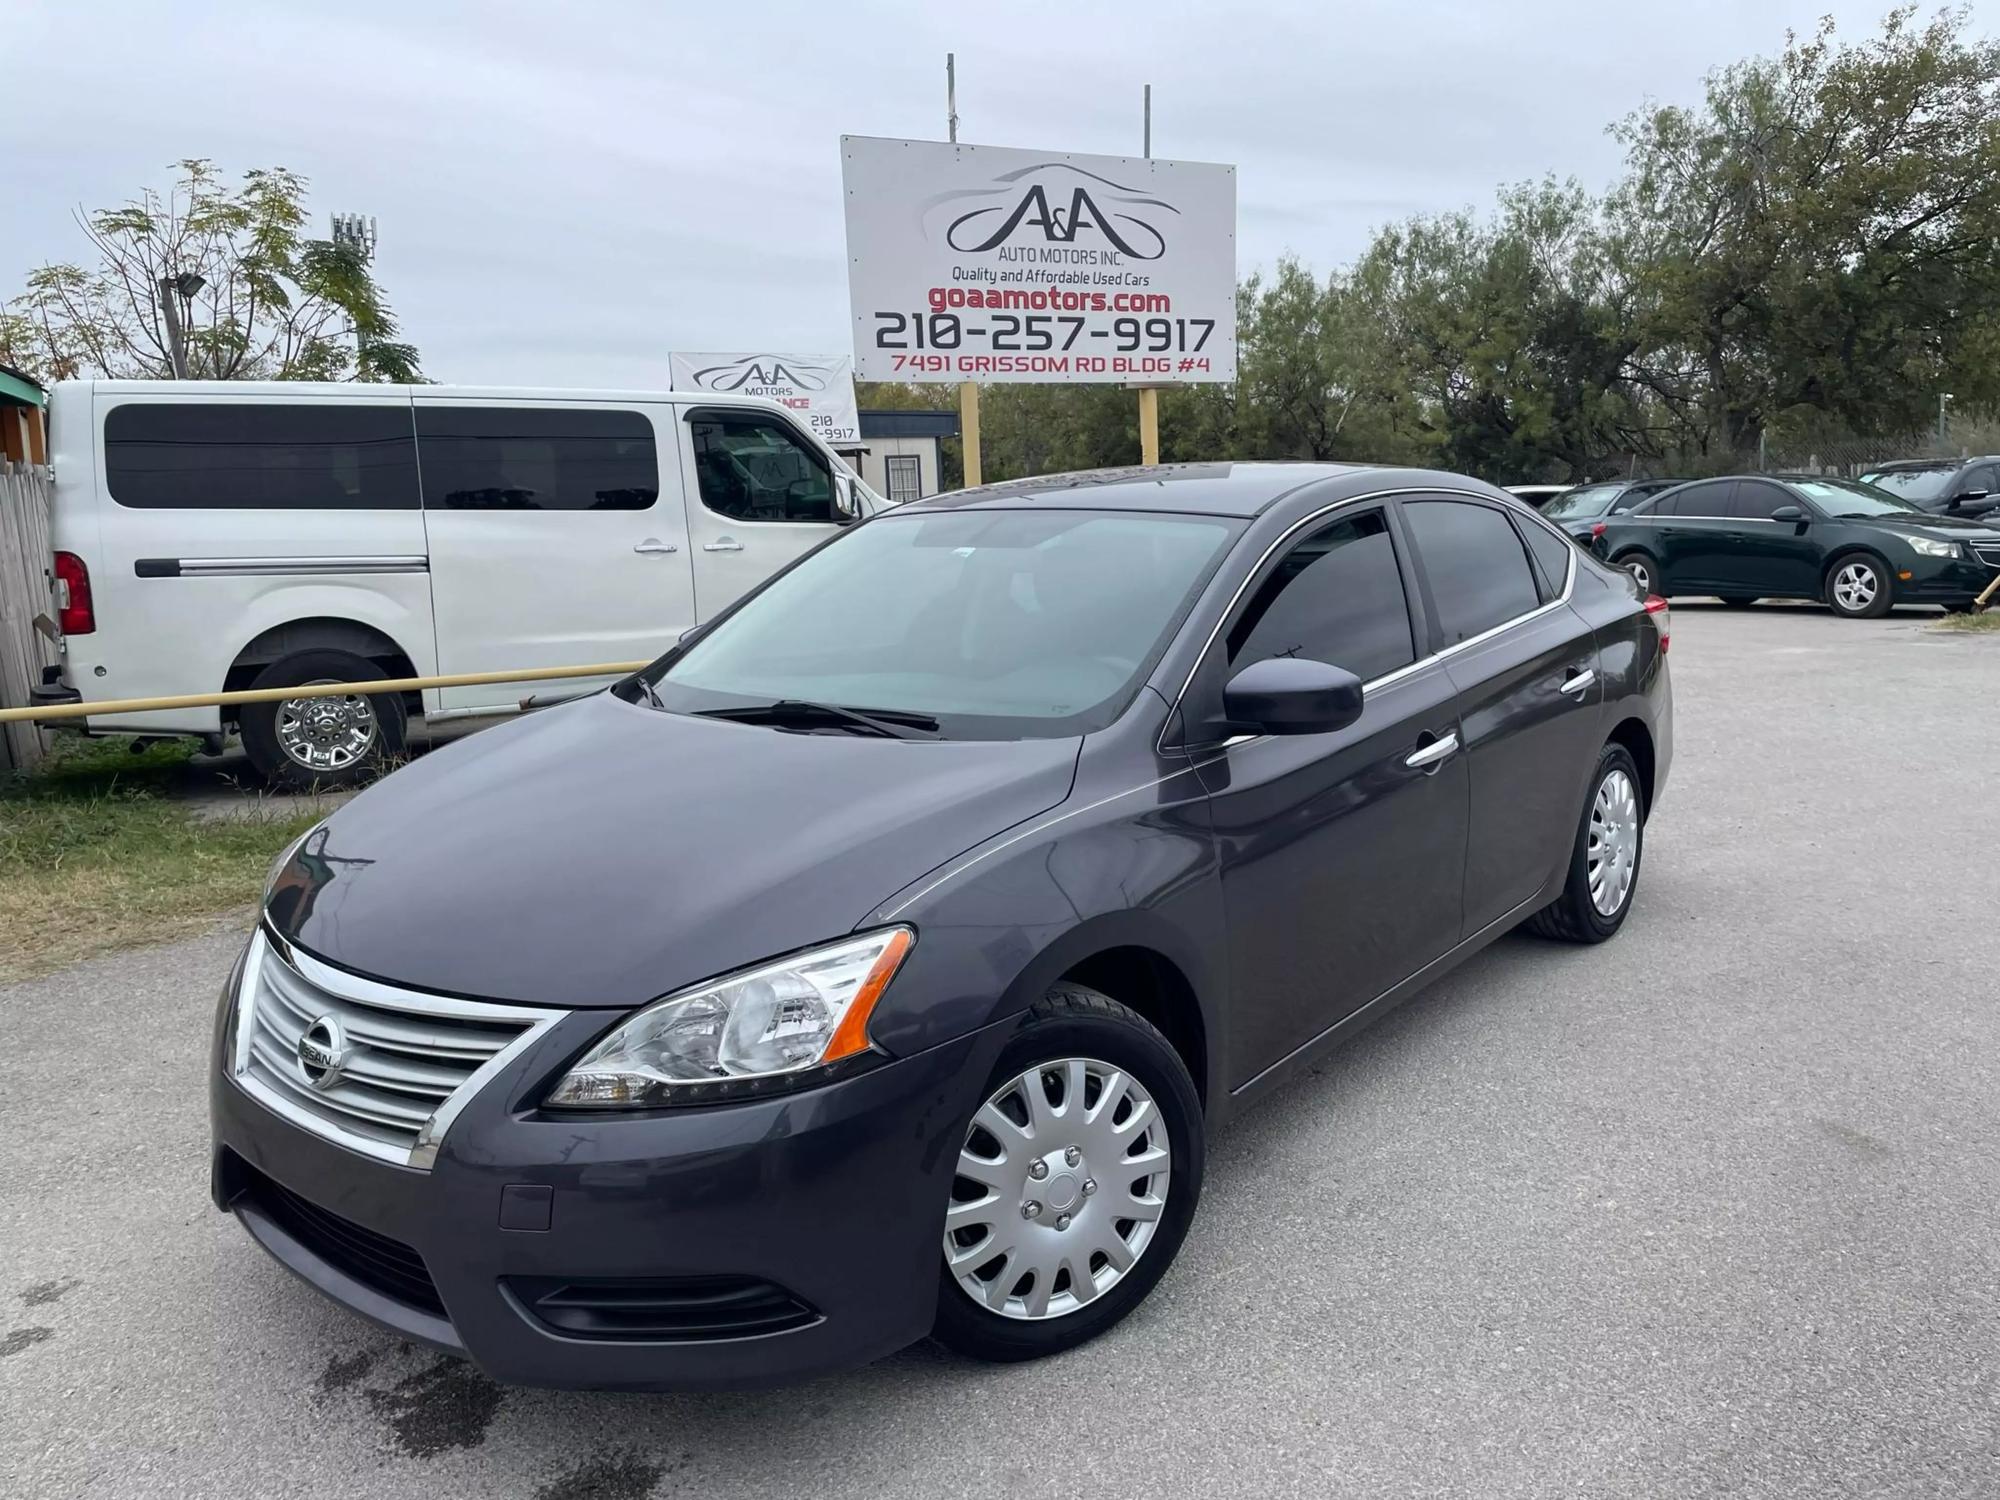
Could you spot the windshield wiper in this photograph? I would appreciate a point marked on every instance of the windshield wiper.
(892, 723)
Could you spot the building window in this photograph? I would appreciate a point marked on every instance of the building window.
(906, 478)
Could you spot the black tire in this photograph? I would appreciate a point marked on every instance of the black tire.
(1738, 601)
(1637, 561)
(261, 734)
(1074, 1022)
(1573, 916)
(1878, 604)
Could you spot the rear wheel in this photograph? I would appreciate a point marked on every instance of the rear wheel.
(1644, 570)
(1077, 1179)
(1858, 586)
(324, 741)
(1604, 863)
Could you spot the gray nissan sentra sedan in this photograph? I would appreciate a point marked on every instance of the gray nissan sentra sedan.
(874, 963)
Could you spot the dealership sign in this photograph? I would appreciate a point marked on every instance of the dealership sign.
(989, 264)
(819, 387)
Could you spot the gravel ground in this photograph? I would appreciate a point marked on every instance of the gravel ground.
(1709, 1211)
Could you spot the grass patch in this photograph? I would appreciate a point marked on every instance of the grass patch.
(1987, 620)
(95, 853)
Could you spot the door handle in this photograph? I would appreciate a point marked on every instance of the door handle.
(1579, 679)
(1426, 756)
(653, 546)
(722, 544)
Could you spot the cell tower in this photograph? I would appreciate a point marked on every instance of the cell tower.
(356, 232)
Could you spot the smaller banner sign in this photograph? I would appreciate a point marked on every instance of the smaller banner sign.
(818, 387)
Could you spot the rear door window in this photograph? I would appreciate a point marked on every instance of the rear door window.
(231, 455)
(1552, 554)
(530, 457)
(1337, 597)
(1477, 568)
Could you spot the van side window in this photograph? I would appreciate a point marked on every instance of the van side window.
(531, 457)
(246, 455)
(753, 468)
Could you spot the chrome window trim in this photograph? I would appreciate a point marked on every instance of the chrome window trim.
(423, 1154)
(1422, 662)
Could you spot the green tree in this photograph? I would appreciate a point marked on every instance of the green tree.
(273, 304)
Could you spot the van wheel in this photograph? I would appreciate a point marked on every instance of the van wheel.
(1077, 1179)
(302, 744)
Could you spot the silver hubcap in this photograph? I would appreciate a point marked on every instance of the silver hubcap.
(326, 734)
(1638, 571)
(1613, 857)
(1855, 586)
(1060, 1187)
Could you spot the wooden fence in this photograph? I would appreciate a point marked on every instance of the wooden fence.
(27, 589)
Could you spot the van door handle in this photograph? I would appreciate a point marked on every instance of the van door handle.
(1579, 680)
(653, 546)
(722, 544)
(1426, 756)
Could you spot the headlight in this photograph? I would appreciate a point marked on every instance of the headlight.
(785, 1017)
(1925, 547)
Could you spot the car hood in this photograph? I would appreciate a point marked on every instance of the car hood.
(1945, 528)
(604, 853)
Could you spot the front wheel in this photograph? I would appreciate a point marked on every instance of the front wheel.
(1858, 586)
(1604, 862)
(1076, 1181)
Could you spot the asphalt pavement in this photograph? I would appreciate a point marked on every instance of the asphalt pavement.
(1711, 1210)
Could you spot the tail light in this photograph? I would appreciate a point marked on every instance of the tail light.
(74, 611)
(1598, 530)
(1663, 619)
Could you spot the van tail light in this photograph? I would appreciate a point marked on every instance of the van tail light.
(1663, 619)
(74, 611)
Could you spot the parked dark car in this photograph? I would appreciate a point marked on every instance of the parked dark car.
(1801, 536)
(1968, 487)
(1578, 511)
(875, 963)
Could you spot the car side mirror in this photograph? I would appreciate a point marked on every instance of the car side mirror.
(1970, 495)
(1291, 695)
(846, 500)
(1788, 513)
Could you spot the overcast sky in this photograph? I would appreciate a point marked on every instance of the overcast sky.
(567, 191)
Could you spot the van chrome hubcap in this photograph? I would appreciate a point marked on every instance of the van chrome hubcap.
(1060, 1186)
(1855, 586)
(1613, 856)
(326, 734)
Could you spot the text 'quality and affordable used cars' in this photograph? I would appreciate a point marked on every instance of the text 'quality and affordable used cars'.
(875, 963)
(1801, 536)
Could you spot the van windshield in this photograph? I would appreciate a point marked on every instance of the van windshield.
(987, 624)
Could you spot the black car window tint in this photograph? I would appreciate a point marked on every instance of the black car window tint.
(1478, 570)
(243, 455)
(1756, 499)
(1711, 501)
(1336, 597)
(528, 457)
(1551, 553)
(755, 468)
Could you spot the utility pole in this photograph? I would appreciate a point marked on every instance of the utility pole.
(968, 390)
(1943, 398)
(173, 291)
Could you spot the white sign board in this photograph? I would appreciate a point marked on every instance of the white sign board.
(818, 387)
(989, 264)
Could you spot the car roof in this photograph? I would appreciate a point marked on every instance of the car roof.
(354, 390)
(1918, 465)
(1214, 489)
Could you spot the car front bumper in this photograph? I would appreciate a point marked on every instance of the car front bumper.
(1943, 580)
(832, 1196)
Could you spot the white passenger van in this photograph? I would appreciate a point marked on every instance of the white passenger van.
(211, 536)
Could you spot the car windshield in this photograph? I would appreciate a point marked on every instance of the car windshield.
(993, 624)
(1912, 484)
(1592, 500)
(1847, 499)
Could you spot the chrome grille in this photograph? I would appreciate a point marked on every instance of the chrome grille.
(1987, 552)
(408, 1062)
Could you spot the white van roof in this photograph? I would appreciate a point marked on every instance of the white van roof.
(350, 389)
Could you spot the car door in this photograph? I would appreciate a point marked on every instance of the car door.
(1526, 670)
(1339, 853)
(1773, 558)
(1975, 493)
(761, 494)
(558, 537)
(1697, 535)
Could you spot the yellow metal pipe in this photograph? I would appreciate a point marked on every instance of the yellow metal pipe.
(316, 690)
